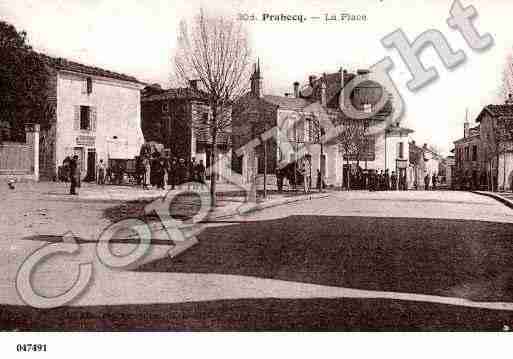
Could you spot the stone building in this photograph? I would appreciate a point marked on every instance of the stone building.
(298, 116)
(179, 119)
(496, 133)
(97, 116)
(470, 169)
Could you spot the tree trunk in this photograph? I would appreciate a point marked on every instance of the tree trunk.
(213, 160)
(348, 176)
(322, 164)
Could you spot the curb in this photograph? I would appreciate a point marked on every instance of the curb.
(497, 197)
(270, 204)
(252, 209)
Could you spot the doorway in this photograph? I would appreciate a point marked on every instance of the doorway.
(91, 165)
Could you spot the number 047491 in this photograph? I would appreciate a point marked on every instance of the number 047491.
(31, 348)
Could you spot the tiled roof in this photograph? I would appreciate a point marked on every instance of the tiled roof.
(288, 103)
(67, 65)
(174, 94)
(501, 110)
(496, 111)
(334, 86)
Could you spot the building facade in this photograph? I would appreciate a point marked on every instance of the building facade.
(179, 118)
(298, 116)
(423, 162)
(496, 133)
(97, 116)
(470, 169)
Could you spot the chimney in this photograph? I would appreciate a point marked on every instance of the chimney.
(311, 79)
(296, 89)
(466, 129)
(193, 84)
(323, 90)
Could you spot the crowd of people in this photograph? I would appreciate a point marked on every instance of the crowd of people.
(375, 180)
(151, 170)
(158, 170)
(380, 180)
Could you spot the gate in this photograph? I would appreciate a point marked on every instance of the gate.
(16, 159)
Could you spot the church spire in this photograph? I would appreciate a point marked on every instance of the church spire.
(256, 80)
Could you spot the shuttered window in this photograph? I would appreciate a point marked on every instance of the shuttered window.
(94, 114)
(76, 118)
(85, 118)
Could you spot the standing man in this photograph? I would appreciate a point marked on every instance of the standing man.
(162, 172)
(201, 172)
(192, 170)
(426, 182)
(387, 180)
(381, 181)
(172, 176)
(393, 180)
(74, 175)
(101, 172)
(279, 179)
(434, 180)
(182, 171)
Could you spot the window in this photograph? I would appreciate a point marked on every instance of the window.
(400, 150)
(474, 153)
(165, 108)
(89, 85)
(204, 118)
(467, 157)
(85, 118)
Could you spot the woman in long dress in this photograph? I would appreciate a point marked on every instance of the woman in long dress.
(147, 172)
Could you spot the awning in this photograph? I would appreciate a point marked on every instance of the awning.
(121, 149)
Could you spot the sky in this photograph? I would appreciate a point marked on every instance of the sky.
(138, 37)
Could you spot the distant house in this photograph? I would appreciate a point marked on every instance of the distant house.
(423, 162)
(179, 119)
(469, 158)
(97, 116)
(496, 133)
(447, 170)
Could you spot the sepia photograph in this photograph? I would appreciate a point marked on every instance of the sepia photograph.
(242, 168)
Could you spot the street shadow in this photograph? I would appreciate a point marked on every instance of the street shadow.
(455, 258)
(266, 314)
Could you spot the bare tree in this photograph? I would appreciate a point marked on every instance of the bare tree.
(506, 82)
(351, 139)
(216, 51)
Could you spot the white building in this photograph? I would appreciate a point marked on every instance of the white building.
(97, 116)
(317, 101)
